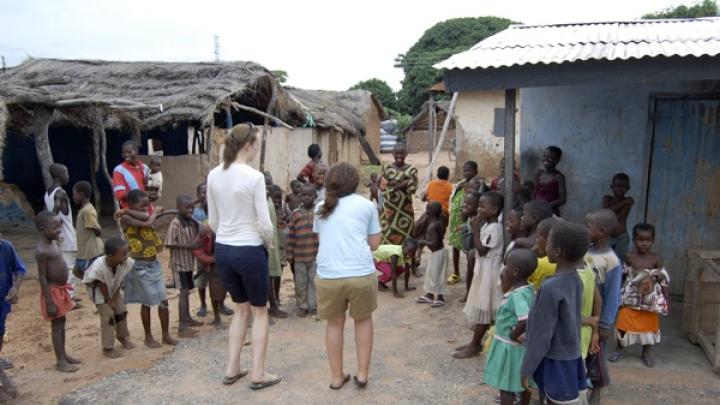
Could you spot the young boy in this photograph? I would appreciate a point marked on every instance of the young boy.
(181, 240)
(393, 260)
(200, 212)
(435, 284)
(104, 280)
(553, 358)
(307, 175)
(281, 218)
(57, 202)
(533, 212)
(319, 181)
(12, 270)
(621, 206)
(550, 182)
(440, 190)
(470, 207)
(470, 172)
(154, 180)
(302, 249)
(608, 277)
(55, 301)
(292, 200)
(89, 232)
(277, 252)
(206, 264)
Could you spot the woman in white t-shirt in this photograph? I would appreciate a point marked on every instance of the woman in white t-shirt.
(349, 230)
(239, 216)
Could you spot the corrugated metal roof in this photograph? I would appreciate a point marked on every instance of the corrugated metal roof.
(563, 43)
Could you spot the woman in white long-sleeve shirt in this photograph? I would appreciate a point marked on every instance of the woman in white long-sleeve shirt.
(239, 216)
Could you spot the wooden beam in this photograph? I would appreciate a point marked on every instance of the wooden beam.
(42, 143)
(266, 122)
(99, 128)
(262, 114)
(430, 128)
(509, 146)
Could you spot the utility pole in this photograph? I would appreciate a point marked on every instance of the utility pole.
(216, 39)
(3, 62)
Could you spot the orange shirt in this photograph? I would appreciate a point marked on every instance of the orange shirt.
(440, 191)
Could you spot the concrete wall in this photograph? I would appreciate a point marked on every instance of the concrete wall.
(601, 130)
(475, 115)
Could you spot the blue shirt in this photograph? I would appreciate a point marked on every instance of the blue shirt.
(608, 278)
(344, 251)
(10, 264)
(200, 215)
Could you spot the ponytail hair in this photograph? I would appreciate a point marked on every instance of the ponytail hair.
(240, 135)
(340, 181)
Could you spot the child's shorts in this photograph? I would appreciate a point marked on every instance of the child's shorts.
(184, 279)
(561, 380)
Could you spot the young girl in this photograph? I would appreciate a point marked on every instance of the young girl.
(502, 370)
(550, 182)
(470, 207)
(485, 293)
(392, 261)
(514, 227)
(470, 171)
(644, 297)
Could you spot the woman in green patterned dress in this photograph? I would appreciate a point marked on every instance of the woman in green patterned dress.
(399, 183)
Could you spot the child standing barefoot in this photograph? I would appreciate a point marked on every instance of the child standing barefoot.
(644, 297)
(434, 286)
(505, 357)
(485, 293)
(105, 279)
(552, 358)
(470, 207)
(470, 171)
(145, 283)
(621, 205)
(302, 250)
(205, 256)
(55, 301)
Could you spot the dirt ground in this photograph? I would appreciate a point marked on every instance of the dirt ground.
(411, 361)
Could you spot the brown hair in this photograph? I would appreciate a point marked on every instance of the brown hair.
(340, 181)
(240, 135)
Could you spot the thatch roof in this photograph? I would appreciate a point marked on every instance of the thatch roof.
(441, 108)
(342, 110)
(146, 94)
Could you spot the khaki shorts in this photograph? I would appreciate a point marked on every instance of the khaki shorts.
(334, 296)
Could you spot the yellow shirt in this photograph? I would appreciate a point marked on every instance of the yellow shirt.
(544, 270)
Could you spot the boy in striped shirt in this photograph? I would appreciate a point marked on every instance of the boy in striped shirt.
(302, 249)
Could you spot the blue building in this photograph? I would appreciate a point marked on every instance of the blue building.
(639, 97)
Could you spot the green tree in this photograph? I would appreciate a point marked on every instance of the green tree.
(380, 89)
(438, 43)
(280, 75)
(708, 8)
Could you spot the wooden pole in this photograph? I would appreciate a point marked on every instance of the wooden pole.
(42, 143)
(99, 128)
(95, 167)
(509, 146)
(438, 148)
(430, 133)
(262, 114)
(266, 123)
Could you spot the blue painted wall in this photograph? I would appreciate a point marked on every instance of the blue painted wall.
(602, 130)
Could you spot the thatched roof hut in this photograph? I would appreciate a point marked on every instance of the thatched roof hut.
(144, 94)
(342, 110)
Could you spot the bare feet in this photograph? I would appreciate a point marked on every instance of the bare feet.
(398, 294)
(126, 343)
(217, 324)
(382, 286)
(151, 343)
(463, 347)
(167, 340)
(193, 322)
(72, 360)
(66, 367)
(410, 288)
(112, 354)
(466, 353)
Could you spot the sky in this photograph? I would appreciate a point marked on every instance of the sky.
(322, 44)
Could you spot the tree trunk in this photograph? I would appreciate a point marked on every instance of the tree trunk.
(42, 143)
(368, 150)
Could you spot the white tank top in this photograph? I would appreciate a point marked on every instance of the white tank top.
(69, 237)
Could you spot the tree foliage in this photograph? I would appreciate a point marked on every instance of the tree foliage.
(280, 75)
(380, 89)
(438, 43)
(708, 8)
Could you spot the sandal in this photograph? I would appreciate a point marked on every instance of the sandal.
(615, 356)
(270, 380)
(346, 379)
(437, 304)
(232, 380)
(648, 361)
(360, 384)
(424, 300)
(454, 279)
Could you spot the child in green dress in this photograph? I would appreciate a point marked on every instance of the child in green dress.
(506, 353)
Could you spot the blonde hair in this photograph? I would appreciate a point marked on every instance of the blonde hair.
(240, 135)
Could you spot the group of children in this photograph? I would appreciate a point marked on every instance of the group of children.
(552, 295)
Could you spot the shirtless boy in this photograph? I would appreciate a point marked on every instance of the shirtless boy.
(435, 285)
(55, 301)
(621, 205)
